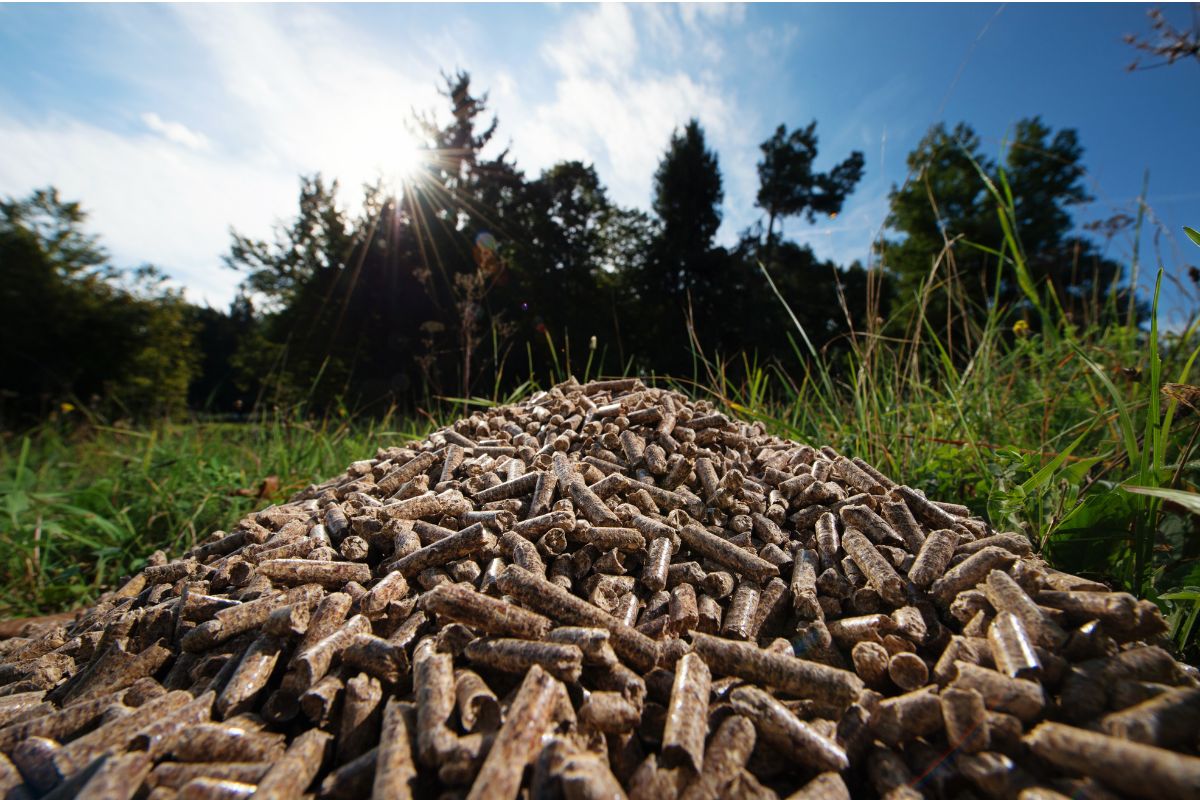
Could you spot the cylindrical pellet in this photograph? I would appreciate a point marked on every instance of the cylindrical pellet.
(1012, 648)
(530, 714)
(395, 768)
(293, 773)
(478, 708)
(965, 716)
(1168, 720)
(563, 661)
(1139, 770)
(358, 727)
(433, 686)
(793, 675)
(609, 712)
(739, 616)
(559, 604)
(1021, 698)
(908, 671)
(793, 738)
(969, 572)
(727, 554)
(879, 572)
(727, 753)
(687, 714)
(460, 603)
(933, 557)
(469, 541)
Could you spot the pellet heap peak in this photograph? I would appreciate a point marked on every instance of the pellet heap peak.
(607, 590)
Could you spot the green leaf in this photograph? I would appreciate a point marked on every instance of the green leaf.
(1047, 472)
(1124, 418)
(1192, 234)
(1189, 500)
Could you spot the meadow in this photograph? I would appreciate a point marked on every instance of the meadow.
(1075, 426)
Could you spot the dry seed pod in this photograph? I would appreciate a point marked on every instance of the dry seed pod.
(782, 729)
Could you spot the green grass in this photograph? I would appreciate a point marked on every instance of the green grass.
(82, 504)
(1057, 429)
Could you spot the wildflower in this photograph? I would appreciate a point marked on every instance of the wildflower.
(1021, 328)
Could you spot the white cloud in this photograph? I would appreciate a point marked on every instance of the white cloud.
(300, 92)
(151, 201)
(610, 107)
(298, 89)
(175, 132)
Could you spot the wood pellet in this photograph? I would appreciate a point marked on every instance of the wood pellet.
(606, 590)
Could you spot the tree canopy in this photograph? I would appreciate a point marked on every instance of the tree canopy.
(473, 276)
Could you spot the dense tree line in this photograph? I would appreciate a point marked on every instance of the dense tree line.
(474, 275)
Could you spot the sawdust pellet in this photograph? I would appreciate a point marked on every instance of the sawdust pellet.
(563, 661)
(793, 738)
(687, 714)
(1137, 769)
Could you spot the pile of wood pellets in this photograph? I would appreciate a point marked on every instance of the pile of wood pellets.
(605, 591)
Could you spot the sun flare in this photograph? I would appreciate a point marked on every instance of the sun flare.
(404, 161)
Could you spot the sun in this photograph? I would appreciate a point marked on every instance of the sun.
(405, 160)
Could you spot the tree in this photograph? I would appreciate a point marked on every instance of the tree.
(943, 204)
(789, 187)
(368, 309)
(951, 229)
(687, 201)
(77, 329)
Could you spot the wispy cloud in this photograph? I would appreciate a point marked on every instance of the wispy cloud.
(298, 89)
(610, 105)
(175, 132)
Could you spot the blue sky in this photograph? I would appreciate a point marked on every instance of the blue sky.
(173, 123)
